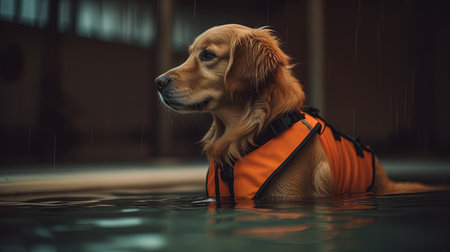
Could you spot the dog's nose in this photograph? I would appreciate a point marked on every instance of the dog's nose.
(162, 82)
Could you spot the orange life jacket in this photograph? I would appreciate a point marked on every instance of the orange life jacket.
(352, 164)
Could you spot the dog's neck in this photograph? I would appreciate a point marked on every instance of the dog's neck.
(235, 126)
(232, 133)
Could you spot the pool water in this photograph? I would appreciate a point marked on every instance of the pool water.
(144, 221)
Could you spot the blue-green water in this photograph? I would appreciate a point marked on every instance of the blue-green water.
(130, 221)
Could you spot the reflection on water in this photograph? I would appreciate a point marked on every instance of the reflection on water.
(137, 221)
(302, 222)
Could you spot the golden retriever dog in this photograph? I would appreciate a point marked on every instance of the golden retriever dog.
(242, 77)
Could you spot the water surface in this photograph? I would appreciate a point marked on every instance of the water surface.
(140, 221)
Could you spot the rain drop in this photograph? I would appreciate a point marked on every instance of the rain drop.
(354, 121)
(91, 134)
(142, 140)
(195, 9)
(54, 152)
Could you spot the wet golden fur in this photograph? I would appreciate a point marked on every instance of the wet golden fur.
(247, 83)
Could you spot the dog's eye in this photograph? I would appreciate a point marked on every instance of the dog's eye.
(206, 55)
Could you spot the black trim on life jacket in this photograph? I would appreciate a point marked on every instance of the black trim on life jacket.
(291, 156)
(369, 188)
(216, 183)
(358, 146)
(206, 182)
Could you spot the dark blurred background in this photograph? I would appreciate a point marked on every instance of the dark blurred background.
(76, 76)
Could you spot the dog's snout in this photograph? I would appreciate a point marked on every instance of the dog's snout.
(162, 82)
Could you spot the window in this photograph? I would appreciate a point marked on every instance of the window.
(130, 22)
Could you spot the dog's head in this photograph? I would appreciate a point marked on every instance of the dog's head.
(228, 65)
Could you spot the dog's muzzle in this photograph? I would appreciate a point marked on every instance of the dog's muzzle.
(163, 84)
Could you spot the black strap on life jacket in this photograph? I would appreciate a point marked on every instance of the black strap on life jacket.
(274, 128)
(278, 126)
(216, 182)
(227, 175)
(225, 172)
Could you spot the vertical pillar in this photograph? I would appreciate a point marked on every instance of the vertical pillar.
(316, 49)
(74, 9)
(163, 63)
(53, 119)
(420, 14)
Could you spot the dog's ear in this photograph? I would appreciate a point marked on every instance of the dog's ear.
(254, 59)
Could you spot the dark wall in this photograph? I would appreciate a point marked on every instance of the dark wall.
(386, 80)
(386, 73)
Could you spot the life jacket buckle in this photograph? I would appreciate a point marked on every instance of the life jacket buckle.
(311, 110)
(282, 123)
